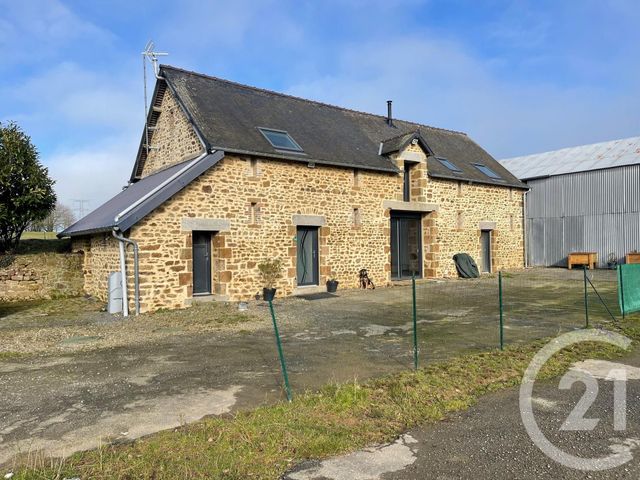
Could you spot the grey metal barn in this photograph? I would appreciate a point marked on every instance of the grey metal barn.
(583, 198)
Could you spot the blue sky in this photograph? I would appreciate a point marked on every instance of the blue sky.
(518, 76)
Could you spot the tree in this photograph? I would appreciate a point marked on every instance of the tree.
(26, 191)
(58, 219)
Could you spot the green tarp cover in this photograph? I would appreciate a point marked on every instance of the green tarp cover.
(629, 287)
(465, 265)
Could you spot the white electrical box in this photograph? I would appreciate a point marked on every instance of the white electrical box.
(115, 293)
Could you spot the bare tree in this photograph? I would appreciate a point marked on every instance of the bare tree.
(60, 218)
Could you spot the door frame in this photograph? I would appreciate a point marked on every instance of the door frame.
(209, 247)
(409, 216)
(315, 247)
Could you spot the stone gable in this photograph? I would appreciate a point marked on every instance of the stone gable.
(173, 140)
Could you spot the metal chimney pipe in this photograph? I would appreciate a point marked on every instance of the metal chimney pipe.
(389, 115)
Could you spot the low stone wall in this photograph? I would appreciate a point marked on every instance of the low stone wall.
(40, 276)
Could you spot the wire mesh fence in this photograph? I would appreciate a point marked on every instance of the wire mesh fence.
(365, 333)
(544, 302)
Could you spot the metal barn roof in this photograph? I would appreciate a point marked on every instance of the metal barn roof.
(596, 156)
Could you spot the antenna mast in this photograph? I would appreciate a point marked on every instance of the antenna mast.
(152, 56)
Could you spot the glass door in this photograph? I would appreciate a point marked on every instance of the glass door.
(485, 243)
(307, 258)
(201, 263)
(406, 246)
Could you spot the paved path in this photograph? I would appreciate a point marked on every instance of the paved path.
(489, 440)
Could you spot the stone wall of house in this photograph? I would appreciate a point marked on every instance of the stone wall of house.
(251, 205)
(259, 199)
(173, 139)
(100, 257)
(456, 226)
(40, 276)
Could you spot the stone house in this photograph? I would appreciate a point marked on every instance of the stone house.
(227, 175)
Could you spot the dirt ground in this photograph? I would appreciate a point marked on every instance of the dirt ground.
(72, 376)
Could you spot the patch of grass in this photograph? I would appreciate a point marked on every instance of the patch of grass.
(43, 309)
(10, 355)
(38, 236)
(265, 442)
(213, 313)
(39, 245)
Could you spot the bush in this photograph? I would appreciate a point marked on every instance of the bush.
(271, 271)
(26, 191)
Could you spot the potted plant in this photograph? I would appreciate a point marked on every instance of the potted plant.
(271, 272)
(332, 283)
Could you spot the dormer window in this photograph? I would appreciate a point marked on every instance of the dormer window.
(449, 165)
(487, 171)
(280, 139)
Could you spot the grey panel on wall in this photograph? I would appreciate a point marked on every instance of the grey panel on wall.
(536, 242)
(553, 242)
(632, 232)
(573, 234)
(597, 210)
(631, 179)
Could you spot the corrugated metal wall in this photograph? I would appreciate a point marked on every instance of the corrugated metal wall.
(596, 211)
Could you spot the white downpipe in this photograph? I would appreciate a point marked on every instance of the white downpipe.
(159, 187)
(524, 229)
(123, 274)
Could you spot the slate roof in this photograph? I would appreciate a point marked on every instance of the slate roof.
(103, 218)
(227, 116)
(583, 158)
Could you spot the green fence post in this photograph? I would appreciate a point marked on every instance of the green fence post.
(283, 364)
(415, 324)
(586, 298)
(501, 310)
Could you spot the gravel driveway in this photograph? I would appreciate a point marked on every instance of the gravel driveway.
(72, 376)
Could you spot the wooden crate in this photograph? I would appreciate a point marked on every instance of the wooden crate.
(632, 258)
(582, 258)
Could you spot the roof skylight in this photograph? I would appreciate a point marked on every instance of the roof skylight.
(487, 171)
(280, 139)
(449, 165)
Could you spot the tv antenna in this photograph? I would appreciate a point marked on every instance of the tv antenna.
(151, 56)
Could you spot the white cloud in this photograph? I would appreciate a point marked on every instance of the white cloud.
(440, 83)
(94, 173)
(70, 93)
(34, 30)
(77, 88)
